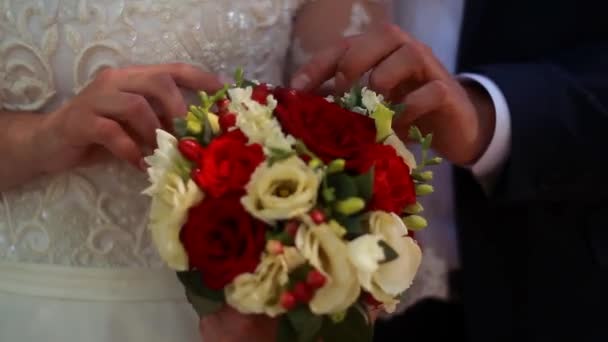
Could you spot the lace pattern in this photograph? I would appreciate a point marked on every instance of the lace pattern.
(50, 50)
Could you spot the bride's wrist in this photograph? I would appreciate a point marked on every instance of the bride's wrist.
(32, 150)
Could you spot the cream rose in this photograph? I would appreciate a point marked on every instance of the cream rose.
(258, 292)
(282, 191)
(325, 251)
(173, 194)
(385, 281)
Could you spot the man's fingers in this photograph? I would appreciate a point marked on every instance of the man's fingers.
(319, 69)
(428, 98)
(365, 53)
(109, 134)
(401, 67)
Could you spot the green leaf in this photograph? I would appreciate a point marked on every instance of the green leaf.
(306, 324)
(285, 331)
(354, 328)
(389, 253)
(345, 185)
(277, 155)
(202, 305)
(180, 127)
(353, 225)
(329, 195)
(365, 185)
(193, 281)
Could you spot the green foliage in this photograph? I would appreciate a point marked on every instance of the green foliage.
(354, 328)
(204, 300)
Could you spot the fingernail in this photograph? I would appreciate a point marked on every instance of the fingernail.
(300, 82)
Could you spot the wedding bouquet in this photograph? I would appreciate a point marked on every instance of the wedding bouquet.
(290, 205)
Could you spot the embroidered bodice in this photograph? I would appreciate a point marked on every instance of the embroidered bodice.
(50, 49)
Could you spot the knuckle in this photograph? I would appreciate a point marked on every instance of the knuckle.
(136, 104)
(441, 89)
(380, 81)
(395, 33)
(107, 130)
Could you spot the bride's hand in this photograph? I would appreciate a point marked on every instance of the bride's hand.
(228, 325)
(118, 112)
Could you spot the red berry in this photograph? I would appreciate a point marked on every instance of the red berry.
(316, 279)
(222, 106)
(302, 292)
(317, 216)
(292, 228)
(190, 149)
(288, 301)
(260, 94)
(227, 121)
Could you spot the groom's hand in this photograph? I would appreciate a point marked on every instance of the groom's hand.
(405, 70)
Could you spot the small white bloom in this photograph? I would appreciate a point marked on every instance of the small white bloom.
(257, 121)
(172, 197)
(258, 292)
(330, 98)
(402, 151)
(282, 191)
(325, 251)
(371, 100)
(385, 281)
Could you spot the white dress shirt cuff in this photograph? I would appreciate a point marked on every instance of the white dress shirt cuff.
(497, 153)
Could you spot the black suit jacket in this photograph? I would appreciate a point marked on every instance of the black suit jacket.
(535, 249)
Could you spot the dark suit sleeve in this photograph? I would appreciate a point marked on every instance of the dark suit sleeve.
(559, 116)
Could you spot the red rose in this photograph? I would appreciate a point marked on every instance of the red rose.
(222, 240)
(226, 164)
(394, 188)
(328, 130)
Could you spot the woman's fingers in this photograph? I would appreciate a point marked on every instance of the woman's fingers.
(109, 134)
(319, 69)
(132, 111)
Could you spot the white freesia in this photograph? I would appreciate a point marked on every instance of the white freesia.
(257, 293)
(328, 253)
(172, 196)
(257, 121)
(370, 100)
(282, 191)
(402, 151)
(385, 281)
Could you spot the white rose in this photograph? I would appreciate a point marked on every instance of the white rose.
(282, 191)
(257, 122)
(172, 196)
(402, 151)
(325, 251)
(258, 292)
(385, 281)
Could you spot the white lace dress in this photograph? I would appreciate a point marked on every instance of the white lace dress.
(76, 261)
